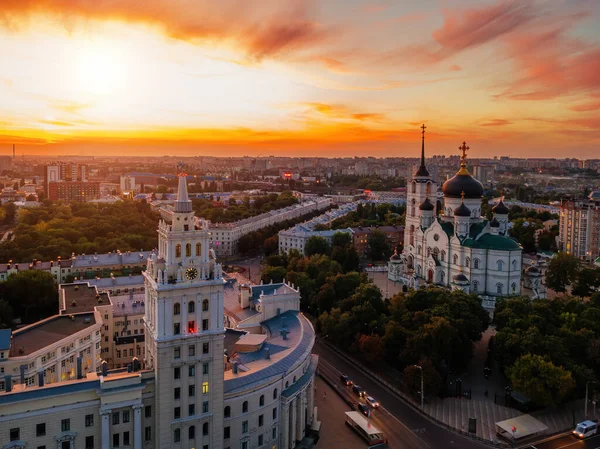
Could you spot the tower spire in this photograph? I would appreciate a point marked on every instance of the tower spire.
(183, 203)
(422, 171)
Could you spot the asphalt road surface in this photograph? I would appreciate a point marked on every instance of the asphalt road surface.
(570, 442)
(404, 427)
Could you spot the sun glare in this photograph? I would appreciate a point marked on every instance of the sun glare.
(100, 69)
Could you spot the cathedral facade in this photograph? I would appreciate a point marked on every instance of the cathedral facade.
(449, 243)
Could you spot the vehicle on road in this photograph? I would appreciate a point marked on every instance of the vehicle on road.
(364, 409)
(372, 402)
(361, 425)
(358, 391)
(585, 429)
(345, 380)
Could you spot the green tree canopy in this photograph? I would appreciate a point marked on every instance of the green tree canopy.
(32, 295)
(317, 245)
(561, 272)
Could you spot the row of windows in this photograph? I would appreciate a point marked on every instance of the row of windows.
(226, 434)
(191, 307)
(261, 403)
(40, 429)
(191, 328)
(188, 250)
(191, 409)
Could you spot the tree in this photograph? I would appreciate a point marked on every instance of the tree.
(432, 381)
(271, 245)
(587, 281)
(317, 245)
(379, 249)
(274, 274)
(539, 379)
(32, 295)
(371, 347)
(6, 314)
(561, 271)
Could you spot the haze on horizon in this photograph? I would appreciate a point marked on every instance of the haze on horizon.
(302, 78)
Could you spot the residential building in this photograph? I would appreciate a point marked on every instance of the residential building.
(80, 191)
(579, 232)
(394, 236)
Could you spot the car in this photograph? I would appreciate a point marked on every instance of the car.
(345, 380)
(372, 402)
(358, 391)
(363, 408)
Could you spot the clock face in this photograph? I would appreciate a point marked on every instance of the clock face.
(191, 273)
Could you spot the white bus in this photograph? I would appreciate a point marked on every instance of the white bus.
(364, 428)
(585, 429)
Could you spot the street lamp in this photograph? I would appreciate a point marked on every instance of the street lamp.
(587, 384)
(422, 392)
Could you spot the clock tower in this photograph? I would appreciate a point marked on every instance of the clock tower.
(184, 329)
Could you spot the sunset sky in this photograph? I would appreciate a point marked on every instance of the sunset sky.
(290, 77)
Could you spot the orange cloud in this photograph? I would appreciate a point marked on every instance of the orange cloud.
(584, 107)
(496, 122)
(269, 28)
(342, 112)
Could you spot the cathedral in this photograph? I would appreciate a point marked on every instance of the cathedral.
(448, 243)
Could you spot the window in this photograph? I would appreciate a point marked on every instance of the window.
(176, 309)
(244, 445)
(40, 430)
(89, 420)
(177, 250)
(204, 387)
(177, 435)
(260, 440)
(89, 442)
(261, 420)
(261, 401)
(476, 263)
(125, 438)
(204, 348)
(191, 350)
(227, 412)
(514, 264)
(198, 249)
(177, 412)
(177, 393)
(436, 253)
(125, 416)
(192, 390)
(226, 432)
(191, 432)
(177, 373)
(148, 411)
(116, 442)
(513, 288)
(14, 434)
(455, 259)
(245, 427)
(442, 277)
(191, 307)
(275, 393)
(274, 433)
(177, 352)
(191, 327)
(65, 425)
(176, 328)
(188, 250)
(475, 285)
(205, 429)
(443, 255)
(499, 288)
(148, 433)
(191, 370)
(245, 407)
(205, 325)
(274, 412)
(205, 368)
(191, 409)
(419, 250)
(500, 265)
(468, 262)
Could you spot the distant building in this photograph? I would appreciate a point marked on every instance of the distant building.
(80, 191)
(5, 163)
(394, 236)
(127, 183)
(483, 173)
(579, 232)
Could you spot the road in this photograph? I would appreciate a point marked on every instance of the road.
(405, 427)
(570, 442)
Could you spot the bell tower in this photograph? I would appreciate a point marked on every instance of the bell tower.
(184, 329)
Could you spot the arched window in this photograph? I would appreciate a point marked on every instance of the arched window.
(499, 288)
(468, 262)
(442, 277)
(419, 270)
(500, 265)
(261, 401)
(413, 208)
(205, 305)
(419, 250)
(476, 263)
(410, 261)
(191, 307)
(513, 288)
(294, 379)
(176, 309)
(287, 384)
(191, 432)
(412, 235)
(188, 250)
(444, 255)
(428, 251)
(227, 412)
(455, 259)
(275, 393)
(436, 253)
(198, 249)
(245, 407)
(177, 435)
(475, 285)
(205, 429)
(178, 250)
(514, 264)
(414, 187)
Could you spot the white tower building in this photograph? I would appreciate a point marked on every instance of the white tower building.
(184, 330)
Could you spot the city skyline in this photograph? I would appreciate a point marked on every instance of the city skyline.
(305, 79)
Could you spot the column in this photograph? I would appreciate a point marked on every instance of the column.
(299, 416)
(184, 311)
(303, 413)
(137, 426)
(283, 426)
(293, 410)
(106, 443)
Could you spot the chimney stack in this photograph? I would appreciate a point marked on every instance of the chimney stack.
(79, 367)
(104, 368)
(40, 378)
(235, 367)
(8, 383)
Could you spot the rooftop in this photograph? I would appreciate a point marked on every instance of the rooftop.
(270, 289)
(44, 333)
(128, 304)
(119, 281)
(80, 297)
(5, 339)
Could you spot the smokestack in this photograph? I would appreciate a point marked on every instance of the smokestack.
(79, 370)
(40, 378)
(13, 151)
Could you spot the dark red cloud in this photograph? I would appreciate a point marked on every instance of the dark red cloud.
(268, 28)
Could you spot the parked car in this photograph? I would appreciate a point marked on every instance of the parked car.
(345, 380)
(372, 402)
(363, 408)
(358, 391)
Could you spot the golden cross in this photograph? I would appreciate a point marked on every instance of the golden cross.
(464, 149)
(423, 128)
(462, 196)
